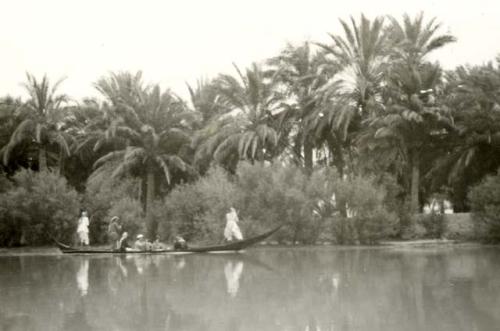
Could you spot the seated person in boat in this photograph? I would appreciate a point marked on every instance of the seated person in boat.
(141, 244)
(157, 245)
(180, 243)
(123, 245)
(232, 230)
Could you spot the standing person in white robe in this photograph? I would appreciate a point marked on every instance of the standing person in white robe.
(232, 230)
(83, 229)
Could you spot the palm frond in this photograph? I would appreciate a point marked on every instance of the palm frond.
(111, 156)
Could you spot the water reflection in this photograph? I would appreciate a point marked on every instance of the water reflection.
(117, 274)
(17, 322)
(233, 271)
(77, 320)
(82, 277)
(305, 289)
(180, 262)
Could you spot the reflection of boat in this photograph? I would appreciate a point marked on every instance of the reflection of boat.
(227, 247)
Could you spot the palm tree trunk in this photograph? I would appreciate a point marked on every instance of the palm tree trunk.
(150, 195)
(339, 161)
(61, 162)
(415, 180)
(308, 157)
(297, 150)
(42, 159)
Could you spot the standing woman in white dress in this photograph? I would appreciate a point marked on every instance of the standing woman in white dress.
(83, 229)
(232, 230)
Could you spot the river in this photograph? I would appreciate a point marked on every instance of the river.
(301, 288)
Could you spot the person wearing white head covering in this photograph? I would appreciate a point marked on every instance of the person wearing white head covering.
(232, 230)
(141, 243)
(83, 229)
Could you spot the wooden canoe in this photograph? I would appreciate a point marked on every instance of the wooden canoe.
(226, 247)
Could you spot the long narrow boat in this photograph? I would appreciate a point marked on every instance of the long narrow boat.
(228, 247)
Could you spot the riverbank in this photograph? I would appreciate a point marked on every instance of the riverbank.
(51, 250)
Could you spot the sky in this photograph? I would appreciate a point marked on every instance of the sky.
(178, 42)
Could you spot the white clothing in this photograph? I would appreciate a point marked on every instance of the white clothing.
(83, 237)
(83, 230)
(83, 224)
(232, 229)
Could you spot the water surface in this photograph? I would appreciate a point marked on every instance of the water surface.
(307, 289)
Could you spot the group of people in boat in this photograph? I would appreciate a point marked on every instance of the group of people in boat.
(119, 238)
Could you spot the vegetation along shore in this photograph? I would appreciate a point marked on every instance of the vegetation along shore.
(342, 142)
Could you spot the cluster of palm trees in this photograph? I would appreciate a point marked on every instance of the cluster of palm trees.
(369, 101)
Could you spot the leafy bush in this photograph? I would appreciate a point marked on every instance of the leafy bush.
(270, 195)
(39, 206)
(131, 214)
(102, 193)
(5, 184)
(366, 219)
(434, 225)
(424, 226)
(197, 210)
(273, 195)
(485, 205)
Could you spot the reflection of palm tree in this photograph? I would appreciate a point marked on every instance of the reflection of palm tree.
(233, 272)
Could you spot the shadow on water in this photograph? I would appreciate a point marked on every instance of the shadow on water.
(262, 289)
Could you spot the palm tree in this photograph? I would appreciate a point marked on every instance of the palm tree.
(409, 129)
(249, 130)
(43, 113)
(362, 54)
(354, 91)
(205, 100)
(473, 95)
(150, 128)
(411, 116)
(9, 120)
(414, 40)
(301, 72)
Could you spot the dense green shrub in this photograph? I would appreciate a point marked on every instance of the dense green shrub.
(196, 211)
(434, 225)
(268, 195)
(5, 184)
(366, 218)
(424, 226)
(39, 205)
(273, 195)
(102, 193)
(131, 214)
(485, 205)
